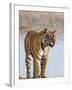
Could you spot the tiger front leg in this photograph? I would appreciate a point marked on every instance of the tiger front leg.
(36, 70)
(43, 66)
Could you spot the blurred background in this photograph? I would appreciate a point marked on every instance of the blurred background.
(38, 20)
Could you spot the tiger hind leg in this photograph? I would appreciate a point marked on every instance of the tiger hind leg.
(28, 65)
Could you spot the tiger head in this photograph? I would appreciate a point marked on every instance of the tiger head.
(49, 38)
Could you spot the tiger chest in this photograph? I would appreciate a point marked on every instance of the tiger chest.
(43, 52)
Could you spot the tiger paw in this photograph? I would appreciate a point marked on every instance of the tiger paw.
(43, 77)
(36, 77)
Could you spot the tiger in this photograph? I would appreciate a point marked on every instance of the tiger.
(37, 46)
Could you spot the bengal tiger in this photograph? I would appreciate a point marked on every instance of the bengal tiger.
(37, 45)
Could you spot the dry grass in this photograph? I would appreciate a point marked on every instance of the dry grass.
(31, 20)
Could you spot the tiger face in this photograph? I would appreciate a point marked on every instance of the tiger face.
(49, 39)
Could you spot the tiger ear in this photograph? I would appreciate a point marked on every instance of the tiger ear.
(45, 30)
(54, 32)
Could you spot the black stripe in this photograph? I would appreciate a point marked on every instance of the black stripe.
(28, 62)
(44, 56)
(43, 63)
(42, 46)
(28, 58)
